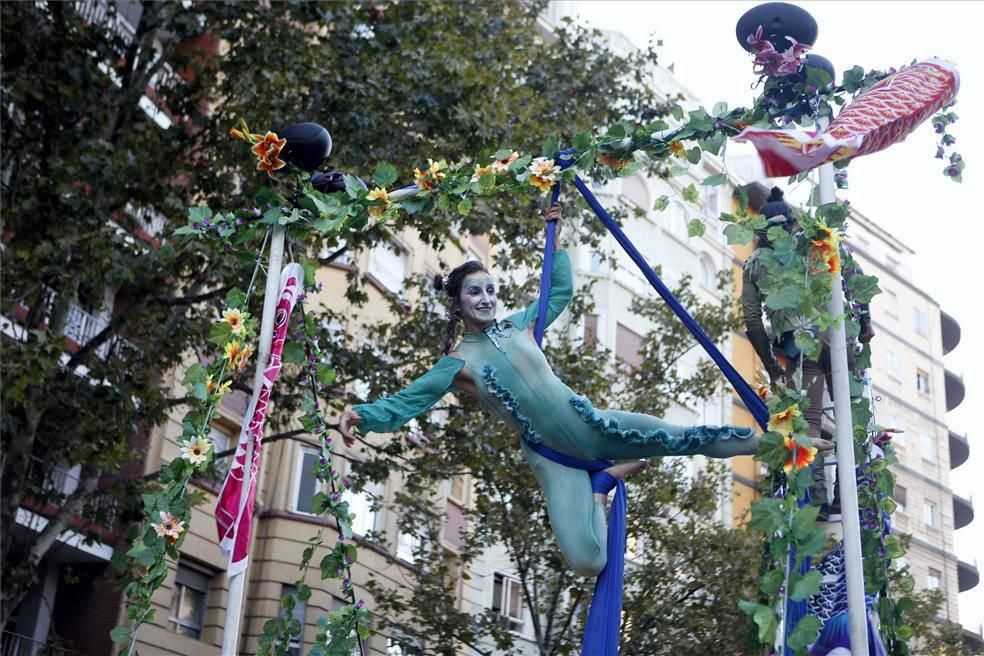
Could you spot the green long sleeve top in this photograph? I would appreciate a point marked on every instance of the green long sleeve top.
(388, 414)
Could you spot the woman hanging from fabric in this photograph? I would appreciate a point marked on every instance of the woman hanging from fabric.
(500, 365)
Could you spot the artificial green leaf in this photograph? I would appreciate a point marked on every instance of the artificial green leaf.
(353, 187)
(805, 632)
(736, 233)
(696, 228)
(863, 287)
(714, 180)
(199, 214)
(236, 298)
(690, 193)
(120, 634)
(293, 352)
(661, 203)
(767, 516)
(384, 175)
(805, 585)
(693, 155)
(765, 618)
(464, 206)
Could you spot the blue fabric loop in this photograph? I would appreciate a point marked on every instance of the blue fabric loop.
(602, 482)
(754, 404)
(601, 631)
(564, 159)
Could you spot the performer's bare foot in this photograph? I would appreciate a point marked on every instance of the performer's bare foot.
(824, 446)
(622, 470)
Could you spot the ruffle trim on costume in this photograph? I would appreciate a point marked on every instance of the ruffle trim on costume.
(692, 438)
(511, 404)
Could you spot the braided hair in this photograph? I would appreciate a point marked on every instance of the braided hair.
(452, 287)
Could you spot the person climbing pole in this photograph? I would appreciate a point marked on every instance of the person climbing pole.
(814, 372)
(499, 364)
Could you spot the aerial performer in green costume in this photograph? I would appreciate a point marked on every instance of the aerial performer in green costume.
(499, 364)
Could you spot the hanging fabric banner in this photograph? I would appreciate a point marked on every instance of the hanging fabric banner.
(233, 522)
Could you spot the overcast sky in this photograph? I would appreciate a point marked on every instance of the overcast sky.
(902, 188)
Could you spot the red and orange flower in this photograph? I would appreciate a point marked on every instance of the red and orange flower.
(266, 148)
(824, 251)
(798, 456)
(431, 177)
(610, 160)
(677, 148)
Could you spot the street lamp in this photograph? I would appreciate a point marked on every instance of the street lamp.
(779, 20)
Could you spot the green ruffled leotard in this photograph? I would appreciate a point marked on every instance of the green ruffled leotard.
(515, 382)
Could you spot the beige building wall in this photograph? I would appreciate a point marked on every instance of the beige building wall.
(910, 382)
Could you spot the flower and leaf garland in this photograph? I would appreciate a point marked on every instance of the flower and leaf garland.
(797, 288)
(168, 505)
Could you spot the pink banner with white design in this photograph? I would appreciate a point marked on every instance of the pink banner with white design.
(883, 115)
(234, 523)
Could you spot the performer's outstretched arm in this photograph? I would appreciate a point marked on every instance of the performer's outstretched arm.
(389, 413)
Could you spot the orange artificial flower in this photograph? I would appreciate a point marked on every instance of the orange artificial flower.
(543, 174)
(431, 177)
(267, 151)
(481, 171)
(799, 456)
(677, 147)
(615, 163)
(824, 256)
(762, 390)
(782, 422)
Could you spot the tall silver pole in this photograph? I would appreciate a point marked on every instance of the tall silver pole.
(271, 296)
(846, 476)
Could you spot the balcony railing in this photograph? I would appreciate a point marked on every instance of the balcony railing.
(100, 12)
(955, 391)
(963, 511)
(64, 480)
(15, 644)
(967, 575)
(959, 449)
(949, 332)
(82, 326)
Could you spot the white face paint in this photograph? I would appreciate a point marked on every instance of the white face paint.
(477, 301)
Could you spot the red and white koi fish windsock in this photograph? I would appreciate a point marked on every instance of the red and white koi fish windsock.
(234, 523)
(881, 116)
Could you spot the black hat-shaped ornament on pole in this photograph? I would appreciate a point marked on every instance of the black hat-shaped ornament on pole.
(308, 146)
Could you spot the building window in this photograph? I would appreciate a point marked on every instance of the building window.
(899, 423)
(300, 610)
(221, 441)
(399, 644)
(590, 329)
(927, 446)
(900, 497)
(931, 514)
(598, 264)
(920, 321)
(628, 345)
(933, 579)
(307, 483)
(894, 364)
(922, 381)
(407, 544)
(707, 277)
(365, 504)
(189, 600)
(507, 600)
(891, 301)
(676, 220)
(388, 267)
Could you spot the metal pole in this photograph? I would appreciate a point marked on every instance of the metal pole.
(846, 470)
(271, 296)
